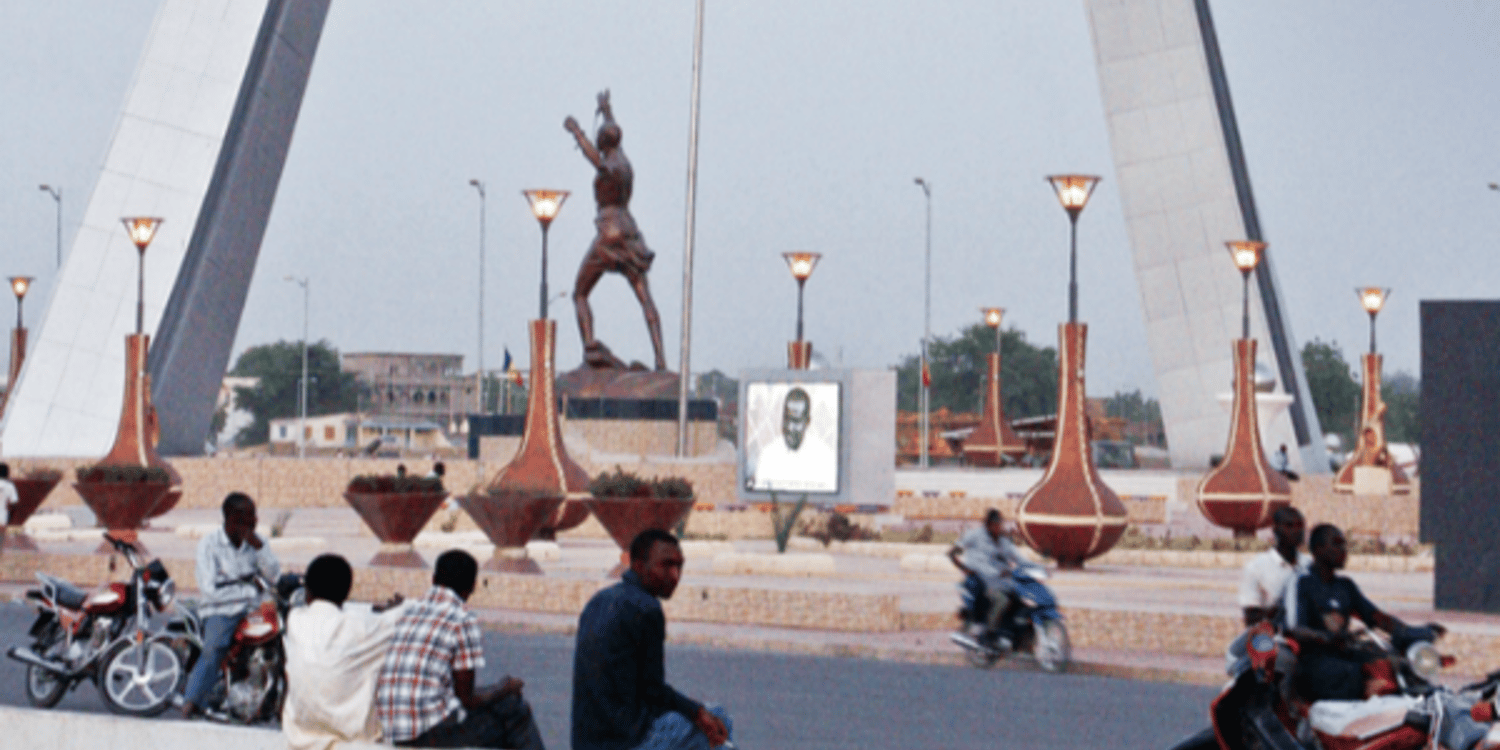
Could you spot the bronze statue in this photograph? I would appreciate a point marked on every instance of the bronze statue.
(618, 246)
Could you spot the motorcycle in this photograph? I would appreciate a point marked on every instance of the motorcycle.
(1259, 708)
(1036, 625)
(107, 636)
(252, 678)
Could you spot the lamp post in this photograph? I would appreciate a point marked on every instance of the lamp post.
(56, 194)
(801, 263)
(20, 285)
(926, 320)
(1372, 298)
(544, 205)
(1073, 191)
(992, 318)
(1246, 255)
(142, 229)
(302, 389)
(479, 366)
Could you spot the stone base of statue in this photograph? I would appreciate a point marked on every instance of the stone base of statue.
(1071, 515)
(586, 383)
(1243, 491)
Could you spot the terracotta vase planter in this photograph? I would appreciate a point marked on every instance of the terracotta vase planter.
(525, 495)
(395, 517)
(1370, 449)
(120, 506)
(1243, 491)
(510, 520)
(569, 515)
(625, 517)
(33, 490)
(1071, 515)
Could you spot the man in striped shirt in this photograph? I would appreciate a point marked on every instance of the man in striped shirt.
(425, 695)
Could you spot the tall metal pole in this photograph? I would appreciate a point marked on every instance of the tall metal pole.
(800, 283)
(479, 365)
(542, 306)
(302, 387)
(1073, 267)
(926, 325)
(1372, 333)
(1245, 313)
(684, 358)
(140, 293)
(56, 194)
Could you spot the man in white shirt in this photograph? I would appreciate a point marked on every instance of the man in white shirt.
(228, 559)
(8, 497)
(1266, 577)
(333, 655)
(987, 558)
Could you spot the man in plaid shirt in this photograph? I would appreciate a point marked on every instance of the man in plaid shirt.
(425, 695)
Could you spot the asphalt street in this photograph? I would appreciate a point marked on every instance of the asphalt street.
(784, 701)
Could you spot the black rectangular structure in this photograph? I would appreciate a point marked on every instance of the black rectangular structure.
(1460, 463)
(699, 410)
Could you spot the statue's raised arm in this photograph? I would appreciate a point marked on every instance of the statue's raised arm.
(589, 152)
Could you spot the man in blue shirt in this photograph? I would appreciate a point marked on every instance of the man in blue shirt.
(621, 699)
(1329, 667)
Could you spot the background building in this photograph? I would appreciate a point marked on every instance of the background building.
(430, 387)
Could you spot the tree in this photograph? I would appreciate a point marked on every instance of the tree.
(1028, 374)
(1142, 416)
(1402, 394)
(1335, 392)
(279, 367)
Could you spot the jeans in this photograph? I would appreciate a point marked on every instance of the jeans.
(673, 731)
(504, 723)
(218, 632)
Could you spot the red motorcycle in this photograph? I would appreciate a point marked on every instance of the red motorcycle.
(1260, 710)
(252, 678)
(108, 636)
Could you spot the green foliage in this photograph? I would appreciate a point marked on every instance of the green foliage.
(1142, 417)
(1335, 392)
(373, 483)
(1028, 374)
(279, 367)
(1402, 394)
(106, 474)
(782, 524)
(626, 484)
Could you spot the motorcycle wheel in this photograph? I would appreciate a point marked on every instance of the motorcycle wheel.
(982, 658)
(1051, 648)
(44, 688)
(138, 679)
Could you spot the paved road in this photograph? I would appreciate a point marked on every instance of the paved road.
(781, 701)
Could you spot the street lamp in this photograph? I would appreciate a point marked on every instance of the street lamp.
(1246, 255)
(479, 369)
(926, 320)
(1073, 191)
(1372, 298)
(56, 194)
(141, 230)
(801, 265)
(992, 317)
(302, 389)
(544, 205)
(20, 285)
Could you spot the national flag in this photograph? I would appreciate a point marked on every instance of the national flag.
(926, 375)
(509, 368)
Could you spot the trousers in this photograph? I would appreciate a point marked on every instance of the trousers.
(504, 723)
(673, 731)
(218, 632)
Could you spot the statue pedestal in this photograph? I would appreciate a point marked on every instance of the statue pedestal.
(1243, 491)
(1071, 515)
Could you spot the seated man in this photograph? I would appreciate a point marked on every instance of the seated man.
(988, 557)
(1319, 608)
(333, 655)
(621, 698)
(425, 695)
(228, 560)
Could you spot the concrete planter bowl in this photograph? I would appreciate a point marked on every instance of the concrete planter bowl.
(121, 498)
(510, 519)
(32, 491)
(395, 517)
(626, 517)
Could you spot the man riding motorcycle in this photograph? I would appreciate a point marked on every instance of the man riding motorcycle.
(987, 557)
(1265, 579)
(1319, 607)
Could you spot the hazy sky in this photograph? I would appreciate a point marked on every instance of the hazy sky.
(1370, 129)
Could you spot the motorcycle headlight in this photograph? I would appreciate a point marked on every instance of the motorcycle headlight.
(166, 594)
(1424, 659)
